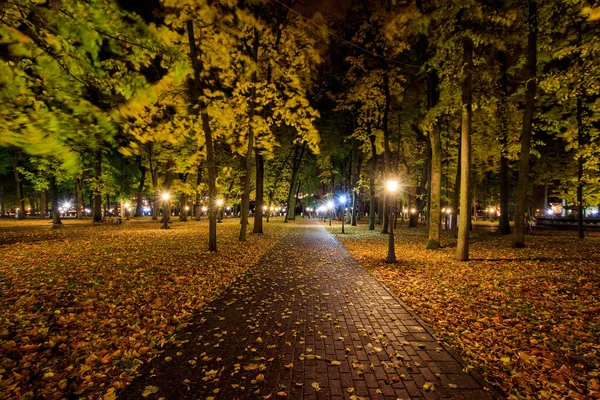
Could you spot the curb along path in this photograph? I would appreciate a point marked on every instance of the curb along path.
(308, 322)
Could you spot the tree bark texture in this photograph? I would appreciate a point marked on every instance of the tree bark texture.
(519, 234)
(462, 248)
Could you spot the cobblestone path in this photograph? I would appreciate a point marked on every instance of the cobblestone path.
(308, 322)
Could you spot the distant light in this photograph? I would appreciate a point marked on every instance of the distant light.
(412, 211)
(204, 209)
(343, 199)
(448, 211)
(228, 208)
(330, 204)
(220, 202)
(165, 196)
(146, 209)
(549, 212)
(127, 206)
(187, 208)
(265, 208)
(67, 205)
(392, 186)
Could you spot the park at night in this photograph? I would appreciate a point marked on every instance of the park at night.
(319, 199)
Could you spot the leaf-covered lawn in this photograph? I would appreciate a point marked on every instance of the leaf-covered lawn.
(529, 318)
(82, 307)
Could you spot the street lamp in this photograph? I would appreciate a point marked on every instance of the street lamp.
(165, 196)
(392, 187)
(343, 203)
(330, 207)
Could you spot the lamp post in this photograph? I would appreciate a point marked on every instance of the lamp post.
(329, 208)
(343, 203)
(392, 187)
(165, 197)
(220, 205)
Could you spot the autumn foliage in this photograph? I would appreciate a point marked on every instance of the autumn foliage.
(527, 319)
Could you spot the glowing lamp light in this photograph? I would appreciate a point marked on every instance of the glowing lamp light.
(165, 196)
(412, 210)
(220, 202)
(448, 211)
(392, 186)
(228, 208)
(67, 205)
(343, 199)
(549, 211)
(330, 204)
(127, 206)
(187, 208)
(265, 208)
(204, 209)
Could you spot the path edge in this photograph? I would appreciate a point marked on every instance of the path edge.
(474, 372)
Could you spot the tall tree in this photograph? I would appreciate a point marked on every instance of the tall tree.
(462, 247)
(531, 84)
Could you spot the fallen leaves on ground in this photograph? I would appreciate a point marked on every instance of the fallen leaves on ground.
(81, 308)
(529, 318)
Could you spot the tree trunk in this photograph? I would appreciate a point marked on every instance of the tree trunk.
(519, 234)
(580, 160)
(502, 116)
(54, 199)
(2, 209)
(19, 185)
(297, 160)
(260, 187)
(97, 192)
(79, 188)
(435, 168)
(248, 170)
(435, 184)
(183, 211)
(372, 176)
(462, 248)
(43, 207)
(210, 160)
(354, 181)
(140, 191)
(198, 208)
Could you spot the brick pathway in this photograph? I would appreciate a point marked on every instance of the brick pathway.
(307, 323)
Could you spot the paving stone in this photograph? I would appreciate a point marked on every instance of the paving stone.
(305, 294)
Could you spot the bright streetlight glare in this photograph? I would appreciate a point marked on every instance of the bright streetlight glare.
(392, 186)
(220, 202)
(67, 206)
(343, 199)
(204, 209)
(330, 204)
(165, 196)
